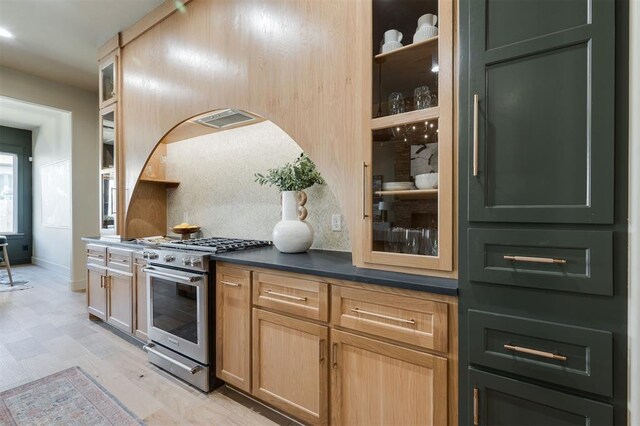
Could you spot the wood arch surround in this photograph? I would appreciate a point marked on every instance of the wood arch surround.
(303, 64)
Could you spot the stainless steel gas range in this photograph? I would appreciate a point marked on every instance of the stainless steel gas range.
(181, 314)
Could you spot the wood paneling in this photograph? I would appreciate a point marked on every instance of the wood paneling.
(269, 58)
(152, 18)
(148, 216)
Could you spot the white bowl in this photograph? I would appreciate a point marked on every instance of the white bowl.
(427, 181)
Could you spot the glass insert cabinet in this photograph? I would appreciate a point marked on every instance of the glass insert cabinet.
(408, 165)
(108, 190)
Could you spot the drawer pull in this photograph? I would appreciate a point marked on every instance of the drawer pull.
(476, 414)
(476, 100)
(535, 259)
(536, 352)
(373, 314)
(230, 284)
(286, 296)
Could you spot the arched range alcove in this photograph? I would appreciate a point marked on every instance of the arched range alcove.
(202, 172)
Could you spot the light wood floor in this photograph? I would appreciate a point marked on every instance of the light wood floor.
(45, 329)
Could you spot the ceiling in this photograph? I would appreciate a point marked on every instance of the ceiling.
(58, 39)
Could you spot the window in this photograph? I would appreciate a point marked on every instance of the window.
(8, 193)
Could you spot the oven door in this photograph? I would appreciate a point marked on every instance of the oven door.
(178, 311)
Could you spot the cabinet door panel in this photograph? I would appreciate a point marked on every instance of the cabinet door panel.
(506, 402)
(290, 365)
(376, 383)
(96, 293)
(574, 261)
(120, 294)
(545, 113)
(504, 342)
(233, 324)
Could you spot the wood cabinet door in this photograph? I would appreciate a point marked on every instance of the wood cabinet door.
(290, 365)
(500, 400)
(376, 383)
(541, 111)
(96, 292)
(120, 300)
(141, 323)
(233, 327)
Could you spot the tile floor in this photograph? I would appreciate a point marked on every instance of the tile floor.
(46, 329)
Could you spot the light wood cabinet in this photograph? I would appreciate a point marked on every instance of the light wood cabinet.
(290, 365)
(109, 79)
(376, 383)
(407, 223)
(120, 300)
(233, 327)
(96, 293)
(140, 284)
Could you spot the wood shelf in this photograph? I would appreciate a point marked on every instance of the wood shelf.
(405, 118)
(409, 52)
(167, 183)
(410, 193)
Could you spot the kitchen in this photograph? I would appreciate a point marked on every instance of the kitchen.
(437, 254)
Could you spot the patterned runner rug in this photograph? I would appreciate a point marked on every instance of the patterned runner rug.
(70, 397)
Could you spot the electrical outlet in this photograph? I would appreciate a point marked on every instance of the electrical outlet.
(336, 223)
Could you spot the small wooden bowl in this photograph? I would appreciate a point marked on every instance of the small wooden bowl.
(185, 233)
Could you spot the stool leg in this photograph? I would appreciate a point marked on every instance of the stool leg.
(6, 259)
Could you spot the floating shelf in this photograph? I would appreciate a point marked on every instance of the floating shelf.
(405, 118)
(410, 193)
(167, 183)
(410, 52)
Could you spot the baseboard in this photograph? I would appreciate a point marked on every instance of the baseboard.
(78, 285)
(51, 265)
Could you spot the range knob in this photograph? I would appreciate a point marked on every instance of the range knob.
(152, 255)
(195, 261)
(186, 260)
(169, 258)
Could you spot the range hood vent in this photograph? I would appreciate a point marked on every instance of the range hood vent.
(226, 118)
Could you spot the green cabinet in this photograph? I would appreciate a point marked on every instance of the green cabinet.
(501, 401)
(541, 99)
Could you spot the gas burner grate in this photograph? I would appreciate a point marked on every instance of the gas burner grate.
(216, 244)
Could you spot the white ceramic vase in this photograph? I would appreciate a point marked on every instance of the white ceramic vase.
(292, 234)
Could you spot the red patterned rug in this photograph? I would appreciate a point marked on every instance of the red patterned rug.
(70, 397)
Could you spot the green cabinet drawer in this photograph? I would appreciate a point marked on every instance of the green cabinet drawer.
(500, 401)
(574, 357)
(573, 261)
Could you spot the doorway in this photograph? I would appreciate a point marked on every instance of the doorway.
(16, 192)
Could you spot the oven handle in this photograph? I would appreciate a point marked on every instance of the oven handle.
(192, 370)
(189, 279)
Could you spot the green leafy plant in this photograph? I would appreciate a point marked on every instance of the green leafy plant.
(296, 176)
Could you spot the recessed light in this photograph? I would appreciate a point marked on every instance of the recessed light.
(5, 33)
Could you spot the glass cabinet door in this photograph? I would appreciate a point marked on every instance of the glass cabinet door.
(108, 81)
(408, 211)
(108, 191)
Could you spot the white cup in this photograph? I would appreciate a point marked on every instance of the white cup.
(392, 35)
(427, 19)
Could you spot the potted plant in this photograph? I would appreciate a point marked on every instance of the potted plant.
(292, 234)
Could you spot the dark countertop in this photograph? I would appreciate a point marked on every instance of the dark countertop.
(331, 264)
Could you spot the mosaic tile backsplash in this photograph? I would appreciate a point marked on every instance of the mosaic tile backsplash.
(218, 192)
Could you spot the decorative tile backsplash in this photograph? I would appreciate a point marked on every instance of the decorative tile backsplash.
(218, 192)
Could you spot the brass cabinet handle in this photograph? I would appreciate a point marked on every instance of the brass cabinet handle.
(101, 281)
(334, 355)
(286, 296)
(373, 314)
(107, 284)
(476, 414)
(230, 284)
(364, 190)
(476, 100)
(321, 349)
(535, 352)
(535, 259)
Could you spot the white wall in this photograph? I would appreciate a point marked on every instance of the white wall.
(634, 214)
(83, 151)
(218, 192)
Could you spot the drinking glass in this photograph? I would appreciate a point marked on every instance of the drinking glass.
(429, 242)
(396, 103)
(398, 239)
(422, 97)
(412, 241)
